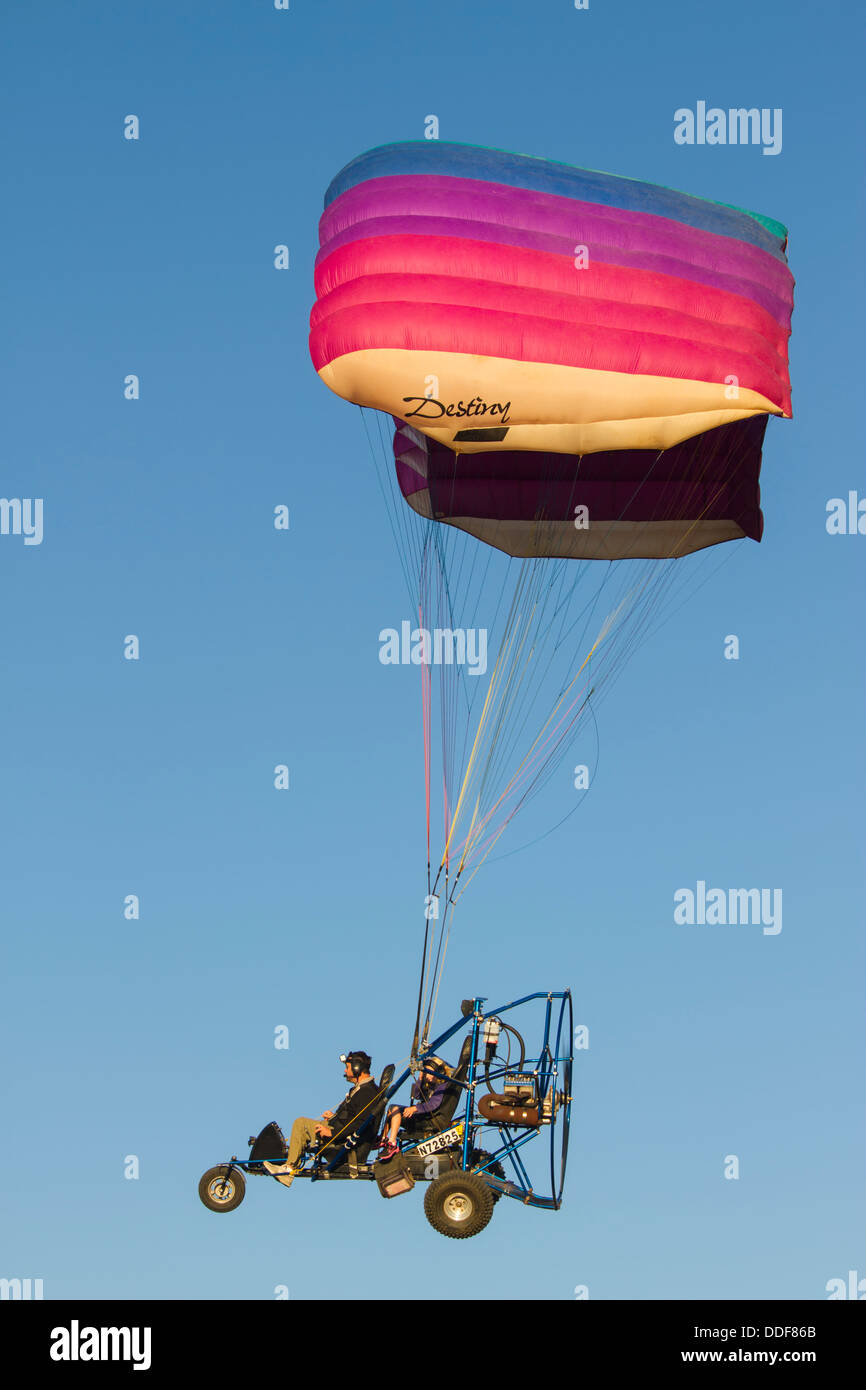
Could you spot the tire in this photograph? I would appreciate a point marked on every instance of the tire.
(496, 1169)
(223, 1188)
(458, 1205)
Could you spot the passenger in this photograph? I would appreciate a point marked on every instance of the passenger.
(429, 1092)
(334, 1124)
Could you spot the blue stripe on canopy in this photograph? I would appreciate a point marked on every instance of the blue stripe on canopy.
(547, 176)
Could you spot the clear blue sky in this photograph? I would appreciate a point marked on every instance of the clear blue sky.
(260, 908)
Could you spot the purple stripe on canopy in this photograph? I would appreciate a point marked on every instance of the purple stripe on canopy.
(520, 210)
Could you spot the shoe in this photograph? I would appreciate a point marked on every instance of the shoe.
(388, 1150)
(283, 1172)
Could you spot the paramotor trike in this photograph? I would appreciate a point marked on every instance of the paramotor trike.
(500, 1100)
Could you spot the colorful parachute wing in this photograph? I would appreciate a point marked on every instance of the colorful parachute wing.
(499, 302)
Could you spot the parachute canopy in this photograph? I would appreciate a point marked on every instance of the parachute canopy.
(500, 302)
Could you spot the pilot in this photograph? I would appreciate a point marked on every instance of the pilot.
(334, 1124)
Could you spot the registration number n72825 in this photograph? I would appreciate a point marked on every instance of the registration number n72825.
(445, 1140)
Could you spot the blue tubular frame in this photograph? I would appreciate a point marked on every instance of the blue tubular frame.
(547, 1071)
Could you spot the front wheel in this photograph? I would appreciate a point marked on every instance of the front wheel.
(223, 1188)
(458, 1205)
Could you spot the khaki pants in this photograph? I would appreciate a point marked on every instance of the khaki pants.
(303, 1133)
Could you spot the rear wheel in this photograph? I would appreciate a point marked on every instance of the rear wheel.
(223, 1188)
(458, 1205)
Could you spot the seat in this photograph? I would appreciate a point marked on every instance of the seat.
(356, 1146)
(364, 1137)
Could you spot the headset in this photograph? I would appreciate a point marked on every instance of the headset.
(359, 1062)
